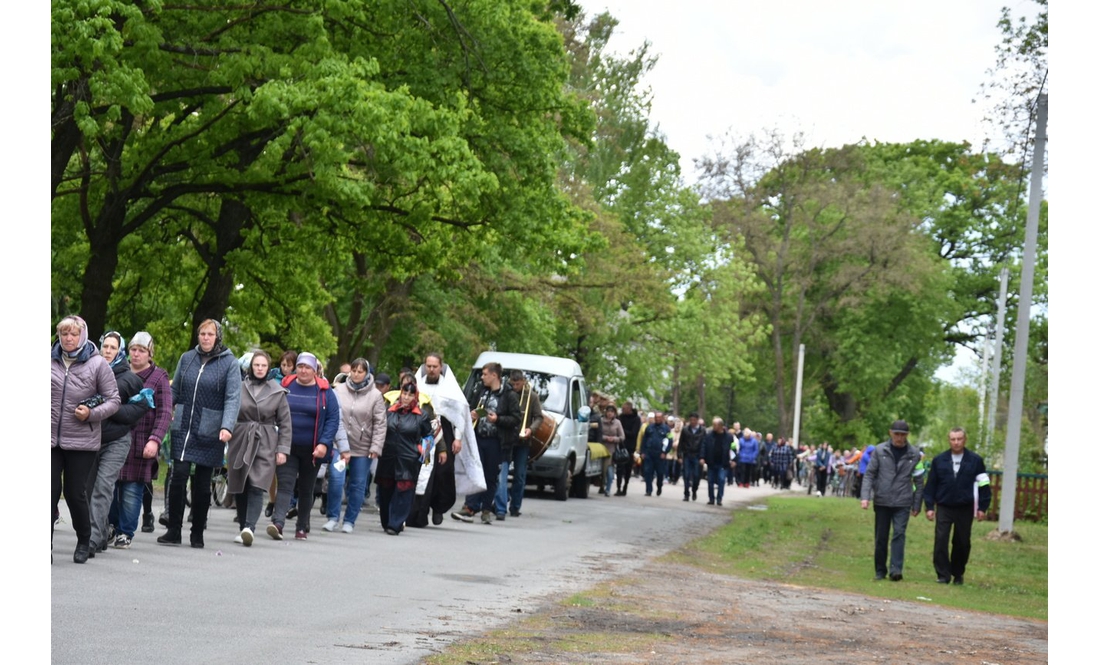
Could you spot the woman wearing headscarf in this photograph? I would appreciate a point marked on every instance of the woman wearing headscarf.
(83, 394)
(284, 369)
(115, 436)
(315, 420)
(148, 433)
(260, 443)
(206, 392)
(363, 412)
(408, 432)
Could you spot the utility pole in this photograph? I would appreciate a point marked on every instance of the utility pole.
(999, 335)
(1023, 321)
(798, 393)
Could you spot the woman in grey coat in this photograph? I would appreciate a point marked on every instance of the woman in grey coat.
(83, 394)
(260, 442)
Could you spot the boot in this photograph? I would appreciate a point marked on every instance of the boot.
(147, 523)
(171, 537)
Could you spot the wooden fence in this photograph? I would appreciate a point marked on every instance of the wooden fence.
(1031, 496)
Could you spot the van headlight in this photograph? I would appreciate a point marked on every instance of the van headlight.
(555, 442)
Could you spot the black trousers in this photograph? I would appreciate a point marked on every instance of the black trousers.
(299, 470)
(959, 519)
(200, 497)
(440, 493)
(73, 471)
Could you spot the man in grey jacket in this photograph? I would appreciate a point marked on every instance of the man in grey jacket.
(896, 481)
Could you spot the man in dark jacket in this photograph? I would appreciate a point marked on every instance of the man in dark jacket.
(715, 451)
(957, 491)
(689, 450)
(655, 446)
(896, 480)
(495, 410)
(632, 424)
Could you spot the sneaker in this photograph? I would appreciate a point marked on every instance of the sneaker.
(486, 517)
(147, 523)
(300, 534)
(330, 526)
(239, 539)
(464, 515)
(247, 537)
(122, 542)
(347, 527)
(275, 531)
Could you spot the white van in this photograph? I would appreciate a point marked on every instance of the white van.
(559, 382)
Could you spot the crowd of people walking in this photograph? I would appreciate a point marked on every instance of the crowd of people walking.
(279, 428)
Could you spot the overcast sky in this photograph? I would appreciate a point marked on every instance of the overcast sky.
(838, 71)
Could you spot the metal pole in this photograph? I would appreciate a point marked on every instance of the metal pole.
(1023, 321)
(798, 394)
(1002, 305)
(983, 388)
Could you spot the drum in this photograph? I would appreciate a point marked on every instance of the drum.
(541, 437)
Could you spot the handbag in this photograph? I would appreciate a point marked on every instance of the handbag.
(621, 455)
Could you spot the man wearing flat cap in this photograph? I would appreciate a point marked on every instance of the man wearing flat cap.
(895, 483)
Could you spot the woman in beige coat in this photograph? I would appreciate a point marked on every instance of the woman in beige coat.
(363, 413)
(260, 442)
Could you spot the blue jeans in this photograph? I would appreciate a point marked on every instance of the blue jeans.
(489, 452)
(126, 507)
(357, 474)
(519, 480)
(691, 475)
(653, 466)
(716, 482)
(609, 477)
(885, 518)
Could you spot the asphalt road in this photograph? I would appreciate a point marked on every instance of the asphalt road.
(364, 597)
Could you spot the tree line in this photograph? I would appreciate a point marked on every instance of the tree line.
(386, 178)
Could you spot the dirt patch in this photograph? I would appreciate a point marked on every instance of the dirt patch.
(680, 614)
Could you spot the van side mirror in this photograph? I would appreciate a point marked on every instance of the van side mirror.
(584, 413)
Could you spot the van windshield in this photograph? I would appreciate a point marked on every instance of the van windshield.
(553, 391)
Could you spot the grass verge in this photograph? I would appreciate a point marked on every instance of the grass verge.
(829, 543)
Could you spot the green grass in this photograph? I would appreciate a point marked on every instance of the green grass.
(829, 543)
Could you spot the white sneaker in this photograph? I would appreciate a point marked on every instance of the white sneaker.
(246, 537)
(347, 527)
(239, 539)
(330, 526)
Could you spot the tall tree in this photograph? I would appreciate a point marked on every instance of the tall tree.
(412, 132)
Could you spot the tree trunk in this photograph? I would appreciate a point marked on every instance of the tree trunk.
(233, 217)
